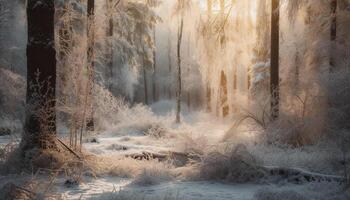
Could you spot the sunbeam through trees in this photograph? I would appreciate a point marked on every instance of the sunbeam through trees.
(175, 99)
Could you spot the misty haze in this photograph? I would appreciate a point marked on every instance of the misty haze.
(175, 99)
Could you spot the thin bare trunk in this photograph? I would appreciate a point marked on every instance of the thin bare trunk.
(89, 124)
(145, 85)
(169, 61)
(179, 86)
(154, 86)
(208, 95)
(224, 95)
(144, 76)
(110, 33)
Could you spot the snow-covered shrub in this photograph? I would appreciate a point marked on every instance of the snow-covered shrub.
(154, 173)
(108, 108)
(41, 107)
(12, 94)
(145, 172)
(137, 120)
(117, 147)
(231, 164)
(7, 151)
(338, 115)
(338, 86)
(156, 131)
(301, 118)
(114, 166)
(115, 114)
(192, 144)
(316, 158)
(9, 126)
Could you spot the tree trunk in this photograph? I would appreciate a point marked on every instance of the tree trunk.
(65, 32)
(65, 47)
(296, 73)
(179, 86)
(274, 68)
(334, 6)
(145, 85)
(154, 86)
(208, 97)
(90, 125)
(222, 22)
(90, 67)
(224, 95)
(144, 78)
(169, 62)
(208, 87)
(40, 123)
(110, 33)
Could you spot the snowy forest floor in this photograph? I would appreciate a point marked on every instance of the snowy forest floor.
(154, 132)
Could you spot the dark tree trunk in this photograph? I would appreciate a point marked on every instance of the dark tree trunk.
(90, 125)
(334, 6)
(274, 68)
(179, 81)
(40, 124)
(110, 33)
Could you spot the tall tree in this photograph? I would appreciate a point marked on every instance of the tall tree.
(334, 6)
(225, 109)
(274, 68)
(179, 81)
(182, 7)
(153, 4)
(90, 68)
(145, 85)
(169, 61)
(222, 23)
(208, 88)
(110, 32)
(261, 50)
(40, 124)
(154, 86)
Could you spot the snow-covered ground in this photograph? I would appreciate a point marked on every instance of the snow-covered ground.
(127, 140)
(188, 190)
(154, 131)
